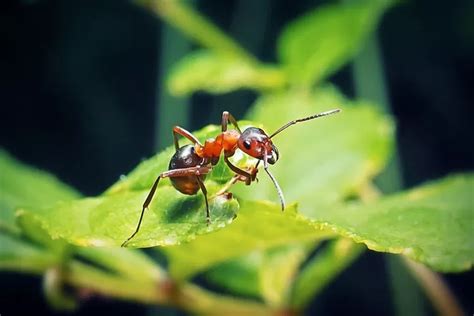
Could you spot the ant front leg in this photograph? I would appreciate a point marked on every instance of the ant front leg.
(196, 171)
(248, 177)
(226, 118)
(254, 171)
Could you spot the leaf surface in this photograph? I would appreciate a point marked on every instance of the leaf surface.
(432, 224)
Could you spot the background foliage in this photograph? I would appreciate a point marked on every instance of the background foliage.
(265, 273)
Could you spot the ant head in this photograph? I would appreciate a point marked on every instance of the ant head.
(256, 143)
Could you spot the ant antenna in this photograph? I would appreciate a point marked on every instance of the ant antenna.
(305, 119)
(275, 183)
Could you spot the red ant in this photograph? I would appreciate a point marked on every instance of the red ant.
(191, 163)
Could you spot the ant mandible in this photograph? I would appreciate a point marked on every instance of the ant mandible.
(191, 163)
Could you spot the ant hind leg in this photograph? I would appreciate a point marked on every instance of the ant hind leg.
(144, 207)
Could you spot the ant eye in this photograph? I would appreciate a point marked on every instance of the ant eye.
(247, 144)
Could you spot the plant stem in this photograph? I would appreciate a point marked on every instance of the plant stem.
(197, 27)
(435, 288)
(90, 280)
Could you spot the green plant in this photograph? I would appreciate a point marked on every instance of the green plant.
(47, 229)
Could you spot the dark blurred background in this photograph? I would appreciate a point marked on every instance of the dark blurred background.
(81, 92)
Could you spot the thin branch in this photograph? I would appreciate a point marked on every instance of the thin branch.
(435, 288)
(197, 27)
(161, 291)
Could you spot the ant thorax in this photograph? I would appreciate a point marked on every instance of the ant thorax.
(213, 147)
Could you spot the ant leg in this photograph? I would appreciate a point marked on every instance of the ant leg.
(227, 186)
(254, 171)
(226, 118)
(198, 170)
(239, 171)
(204, 192)
(275, 183)
(181, 131)
(144, 207)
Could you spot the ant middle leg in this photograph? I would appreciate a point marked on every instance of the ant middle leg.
(248, 176)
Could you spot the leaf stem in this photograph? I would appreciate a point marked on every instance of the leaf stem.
(435, 288)
(197, 27)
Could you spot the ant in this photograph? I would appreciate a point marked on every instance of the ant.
(191, 163)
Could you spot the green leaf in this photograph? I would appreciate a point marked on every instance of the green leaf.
(322, 162)
(258, 226)
(320, 42)
(172, 217)
(217, 73)
(278, 269)
(23, 186)
(431, 224)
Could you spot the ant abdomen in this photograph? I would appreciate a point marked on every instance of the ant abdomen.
(185, 157)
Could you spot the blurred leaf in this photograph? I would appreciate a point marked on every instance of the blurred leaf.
(21, 256)
(320, 42)
(258, 226)
(431, 224)
(33, 231)
(217, 73)
(278, 269)
(240, 276)
(322, 269)
(322, 162)
(265, 274)
(22, 185)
